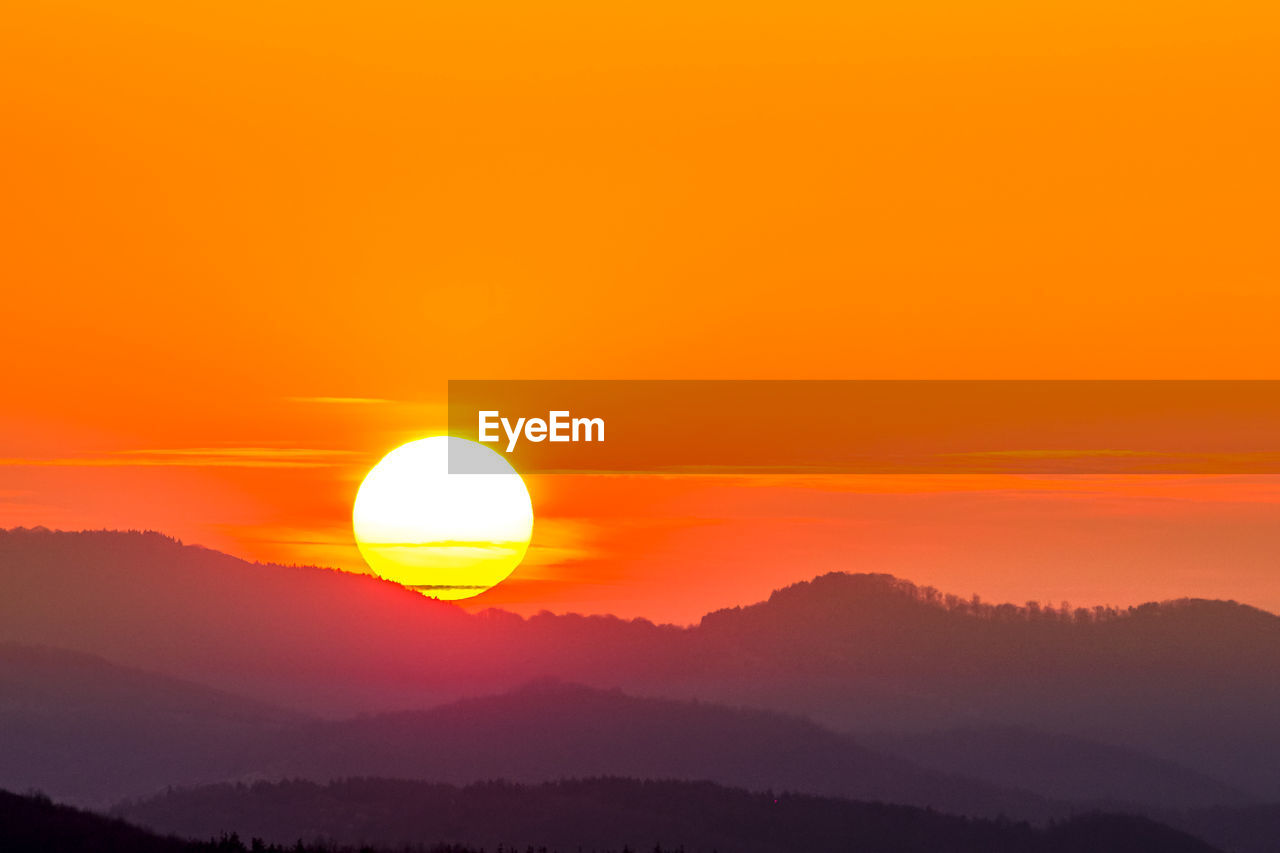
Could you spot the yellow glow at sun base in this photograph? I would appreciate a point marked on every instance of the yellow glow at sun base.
(445, 535)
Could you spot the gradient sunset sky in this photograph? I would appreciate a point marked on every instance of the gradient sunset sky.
(244, 248)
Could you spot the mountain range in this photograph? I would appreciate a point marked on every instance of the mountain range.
(130, 663)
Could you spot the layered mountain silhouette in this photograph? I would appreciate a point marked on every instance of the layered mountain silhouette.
(85, 731)
(1189, 683)
(88, 732)
(603, 814)
(548, 731)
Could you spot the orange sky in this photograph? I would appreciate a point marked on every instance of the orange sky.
(216, 219)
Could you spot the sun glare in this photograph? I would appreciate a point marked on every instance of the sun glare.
(445, 535)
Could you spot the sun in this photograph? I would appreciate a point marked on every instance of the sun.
(445, 535)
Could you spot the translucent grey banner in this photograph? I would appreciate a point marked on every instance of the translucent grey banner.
(866, 427)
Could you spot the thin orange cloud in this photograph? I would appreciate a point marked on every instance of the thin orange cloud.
(196, 457)
(353, 401)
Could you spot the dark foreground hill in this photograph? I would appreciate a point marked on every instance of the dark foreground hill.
(34, 824)
(605, 813)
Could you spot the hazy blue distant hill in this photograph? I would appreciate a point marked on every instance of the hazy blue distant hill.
(1241, 829)
(602, 813)
(548, 731)
(1059, 767)
(87, 731)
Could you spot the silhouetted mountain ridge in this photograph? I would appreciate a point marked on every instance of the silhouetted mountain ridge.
(869, 601)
